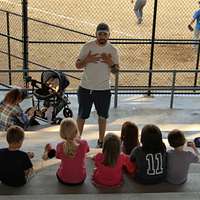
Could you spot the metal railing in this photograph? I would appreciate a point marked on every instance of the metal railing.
(117, 89)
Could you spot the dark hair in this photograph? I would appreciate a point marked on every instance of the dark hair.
(129, 136)
(111, 149)
(15, 134)
(151, 139)
(13, 97)
(176, 138)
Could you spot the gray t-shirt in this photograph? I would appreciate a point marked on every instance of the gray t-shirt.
(178, 163)
(96, 76)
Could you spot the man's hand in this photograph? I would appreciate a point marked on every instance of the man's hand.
(92, 58)
(114, 69)
(190, 27)
(107, 58)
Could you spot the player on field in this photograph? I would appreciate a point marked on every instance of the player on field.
(138, 9)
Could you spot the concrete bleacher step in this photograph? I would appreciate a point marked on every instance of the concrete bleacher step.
(128, 196)
(44, 182)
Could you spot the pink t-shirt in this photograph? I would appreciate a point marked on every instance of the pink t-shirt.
(72, 170)
(111, 176)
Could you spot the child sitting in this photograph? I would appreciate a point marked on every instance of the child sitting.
(15, 165)
(150, 157)
(109, 163)
(178, 160)
(53, 84)
(129, 137)
(72, 153)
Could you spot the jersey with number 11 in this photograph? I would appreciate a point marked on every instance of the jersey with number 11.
(151, 166)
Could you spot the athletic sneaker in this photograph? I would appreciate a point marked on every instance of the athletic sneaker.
(139, 21)
(99, 144)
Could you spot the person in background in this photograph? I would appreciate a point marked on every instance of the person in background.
(16, 166)
(12, 114)
(196, 17)
(179, 160)
(138, 9)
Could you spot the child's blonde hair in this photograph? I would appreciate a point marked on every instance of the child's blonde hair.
(68, 131)
(111, 149)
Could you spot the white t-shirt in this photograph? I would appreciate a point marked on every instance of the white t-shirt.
(96, 76)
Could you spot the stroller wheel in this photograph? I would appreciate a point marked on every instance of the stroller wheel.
(67, 112)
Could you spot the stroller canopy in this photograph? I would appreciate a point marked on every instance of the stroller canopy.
(63, 80)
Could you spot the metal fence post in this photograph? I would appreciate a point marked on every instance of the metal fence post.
(197, 65)
(116, 90)
(173, 88)
(8, 43)
(25, 39)
(152, 45)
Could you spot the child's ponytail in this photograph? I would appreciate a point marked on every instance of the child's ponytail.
(68, 132)
(69, 148)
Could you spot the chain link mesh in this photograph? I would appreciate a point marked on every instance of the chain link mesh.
(76, 21)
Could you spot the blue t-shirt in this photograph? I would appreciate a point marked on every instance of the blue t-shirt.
(196, 16)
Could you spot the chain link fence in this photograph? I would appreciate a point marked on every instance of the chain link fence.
(58, 29)
(11, 46)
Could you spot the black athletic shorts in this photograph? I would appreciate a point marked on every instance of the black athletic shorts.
(100, 98)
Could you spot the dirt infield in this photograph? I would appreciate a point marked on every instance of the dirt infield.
(172, 19)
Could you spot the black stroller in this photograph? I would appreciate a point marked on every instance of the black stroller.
(51, 91)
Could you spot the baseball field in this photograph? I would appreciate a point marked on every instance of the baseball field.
(83, 16)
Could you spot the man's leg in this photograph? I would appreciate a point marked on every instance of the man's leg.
(102, 128)
(136, 9)
(143, 3)
(102, 105)
(80, 123)
(85, 105)
(196, 37)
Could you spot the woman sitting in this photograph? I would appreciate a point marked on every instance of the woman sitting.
(11, 112)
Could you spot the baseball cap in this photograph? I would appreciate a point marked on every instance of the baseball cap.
(103, 27)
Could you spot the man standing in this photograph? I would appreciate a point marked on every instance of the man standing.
(138, 9)
(196, 17)
(98, 58)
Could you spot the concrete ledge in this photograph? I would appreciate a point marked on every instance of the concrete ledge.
(146, 196)
(44, 182)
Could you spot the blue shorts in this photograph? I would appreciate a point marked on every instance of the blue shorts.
(100, 98)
